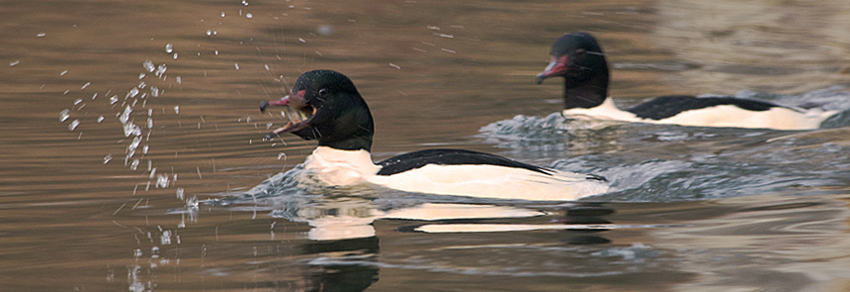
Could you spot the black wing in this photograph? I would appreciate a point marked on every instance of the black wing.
(668, 106)
(414, 160)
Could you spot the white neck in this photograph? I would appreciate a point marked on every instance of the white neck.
(605, 111)
(341, 167)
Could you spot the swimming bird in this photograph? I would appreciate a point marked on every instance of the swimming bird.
(324, 105)
(579, 59)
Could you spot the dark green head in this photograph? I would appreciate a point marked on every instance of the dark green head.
(335, 113)
(579, 59)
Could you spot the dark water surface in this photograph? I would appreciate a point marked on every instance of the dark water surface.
(132, 153)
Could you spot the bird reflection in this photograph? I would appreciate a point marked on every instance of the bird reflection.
(343, 245)
(343, 241)
(342, 265)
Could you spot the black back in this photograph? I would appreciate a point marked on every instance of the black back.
(414, 160)
(667, 106)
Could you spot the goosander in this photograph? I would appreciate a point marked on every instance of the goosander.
(579, 59)
(324, 105)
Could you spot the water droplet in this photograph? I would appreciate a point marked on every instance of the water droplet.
(41, 34)
(179, 80)
(133, 92)
(64, 115)
(107, 158)
(222, 14)
(180, 193)
(113, 99)
(148, 65)
(169, 48)
(131, 149)
(162, 181)
(132, 129)
(13, 63)
(125, 117)
(99, 119)
(325, 29)
(209, 32)
(176, 109)
(142, 75)
(160, 70)
(245, 2)
(78, 101)
(63, 73)
(73, 125)
(85, 85)
(94, 96)
(135, 164)
(165, 238)
(236, 65)
(249, 15)
(154, 91)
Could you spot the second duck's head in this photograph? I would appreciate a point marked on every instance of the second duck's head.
(579, 59)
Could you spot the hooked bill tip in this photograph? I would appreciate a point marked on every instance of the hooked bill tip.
(539, 79)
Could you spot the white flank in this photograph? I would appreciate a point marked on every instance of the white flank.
(340, 167)
(779, 118)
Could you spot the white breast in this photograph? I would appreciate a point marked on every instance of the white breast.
(718, 116)
(341, 168)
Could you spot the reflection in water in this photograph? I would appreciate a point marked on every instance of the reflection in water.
(767, 243)
(341, 265)
(343, 247)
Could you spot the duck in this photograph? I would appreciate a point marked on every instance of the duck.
(578, 58)
(324, 105)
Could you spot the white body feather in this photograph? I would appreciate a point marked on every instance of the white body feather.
(341, 168)
(779, 118)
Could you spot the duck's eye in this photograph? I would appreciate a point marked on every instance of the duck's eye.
(323, 92)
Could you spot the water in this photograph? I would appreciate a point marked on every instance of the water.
(133, 157)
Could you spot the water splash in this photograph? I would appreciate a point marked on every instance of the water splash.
(64, 115)
(73, 125)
